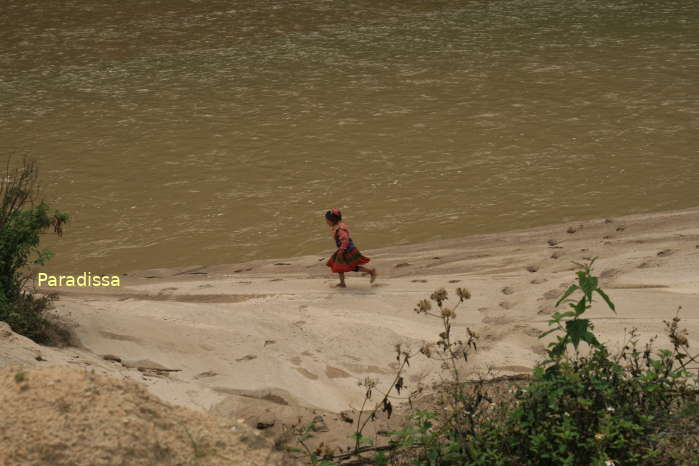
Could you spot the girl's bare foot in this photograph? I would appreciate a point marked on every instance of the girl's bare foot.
(373, 275)
(341, 285)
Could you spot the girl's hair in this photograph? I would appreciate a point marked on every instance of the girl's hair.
(334, 215)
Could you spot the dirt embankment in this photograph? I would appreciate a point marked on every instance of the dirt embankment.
(68, 416)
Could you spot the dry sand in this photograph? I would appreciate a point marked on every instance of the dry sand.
(274, 339)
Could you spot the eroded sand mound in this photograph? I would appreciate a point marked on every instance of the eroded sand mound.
(65, 416)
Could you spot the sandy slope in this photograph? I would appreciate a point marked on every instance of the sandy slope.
(278, 331)
(63, 416)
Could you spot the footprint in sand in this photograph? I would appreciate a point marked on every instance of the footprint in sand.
(276, 279)
(610, 273)
(500, 319)
(507, 290)
(167, 290)
(335, 373)
(528, 330)
(306, 373)
(296, 360)
(552, 294)
(538, 281)
(454, 281)
(418, 281)
(119, 337)
(282, 263)
(533, 268)
(247, 357)
(665, 253)
(556, 255)
(202, 375)
(506, 305)
(402, 264)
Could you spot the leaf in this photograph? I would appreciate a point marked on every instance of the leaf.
(593, 283)
(580, 307)
(548, 332)
(577, 330)
(606, 299)
(571, 289)
(399, 384)
(387, 408)
(584, 281)
(557, 350)
(590, 339)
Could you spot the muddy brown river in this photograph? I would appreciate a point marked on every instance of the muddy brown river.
(202, 132)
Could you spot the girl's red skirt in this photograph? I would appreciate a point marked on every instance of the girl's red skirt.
(346, 261)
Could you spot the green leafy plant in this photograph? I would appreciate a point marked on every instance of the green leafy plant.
(576, 329)
(597, 408)
(22, 221)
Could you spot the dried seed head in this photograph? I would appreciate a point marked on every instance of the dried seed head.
(368, 382)
(463, 294)
(439, 296)
(423, 306)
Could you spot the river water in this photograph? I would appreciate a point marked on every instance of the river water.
(201, 132)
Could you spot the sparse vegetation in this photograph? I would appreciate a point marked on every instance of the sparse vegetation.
(581, 406)
(22, 221)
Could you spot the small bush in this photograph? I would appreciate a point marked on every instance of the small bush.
(22, 221)
(596, 409)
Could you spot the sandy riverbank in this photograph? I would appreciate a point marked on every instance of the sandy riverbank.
(274, 337)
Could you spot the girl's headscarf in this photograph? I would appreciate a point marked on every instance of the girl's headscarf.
(334, 215)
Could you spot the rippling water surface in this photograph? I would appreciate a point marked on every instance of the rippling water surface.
(199, 132)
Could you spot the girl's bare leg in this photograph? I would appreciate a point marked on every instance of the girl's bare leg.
(370, 271)
(342, 280)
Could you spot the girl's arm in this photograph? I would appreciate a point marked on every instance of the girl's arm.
(343, 236)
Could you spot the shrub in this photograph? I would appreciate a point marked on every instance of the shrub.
(595, 409)
(22, 220)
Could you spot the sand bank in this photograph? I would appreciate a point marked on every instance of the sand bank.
(275, 337)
